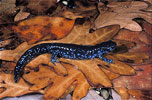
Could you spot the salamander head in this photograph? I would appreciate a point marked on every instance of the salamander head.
(110, 46)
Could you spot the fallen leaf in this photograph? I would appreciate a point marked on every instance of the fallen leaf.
(43, 28)
(21, 15)
(122, 13)
(40, 79)
(110, 74)
(10, 88)
(40, 6)
(45, 59)
(135, 58)
(5, 42)
(7, 9)
(116, 67)
(123, 92)
(137, 37)
(96, 76)
(60, 84)
(147, 27)
(139, 94)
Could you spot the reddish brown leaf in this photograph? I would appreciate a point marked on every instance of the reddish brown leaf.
(43, 27)
(142, 80)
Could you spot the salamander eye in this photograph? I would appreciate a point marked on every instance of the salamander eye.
(69, 3)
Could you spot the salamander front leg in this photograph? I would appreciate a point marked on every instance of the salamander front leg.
(106, 59)
(54, 59)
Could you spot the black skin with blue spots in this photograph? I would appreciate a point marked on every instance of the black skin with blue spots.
(69, 51)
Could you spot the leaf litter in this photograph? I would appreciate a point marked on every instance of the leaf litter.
(74, 75)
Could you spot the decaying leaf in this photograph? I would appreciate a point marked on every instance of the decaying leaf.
(45, 59)
(40, 6)
(135, 58)
(110, 74)
(21, 15)
(140, 94)
(40, 79)
(92, 72)
(123, 92)
(61, 83)
(75, 75)
(58, 84)
(7, 9)
(138, 37)
(43, 28)
(116, 67)
(123, 13)
(138, 81)
(10, 88)
(5, 42)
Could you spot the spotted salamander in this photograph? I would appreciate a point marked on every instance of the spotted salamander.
(62, 50)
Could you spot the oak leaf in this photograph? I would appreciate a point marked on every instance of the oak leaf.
(123, 13)
(10, 88)
(58, 84)
(62, 83)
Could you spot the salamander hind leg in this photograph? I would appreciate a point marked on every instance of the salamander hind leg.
(54, 58)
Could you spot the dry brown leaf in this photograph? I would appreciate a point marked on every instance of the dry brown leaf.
(13, 55)
(40, 6)
(142, 80)
(147, 27)
(137, 37)
(110, 75)
(5, 42)
(40, 79)
(134, 58)
(7, 67)
(10, 88)
(21, 15)
(123, 92)
(70, 89)
(122, 13)
(60, 84)
(57, 85)
(116, 67)
(93, 73)
(45, 59)
(7, 8)
(43, 27)
(139, 94)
